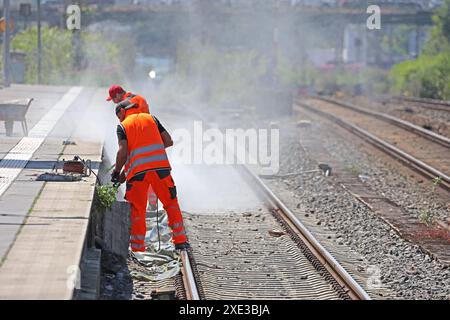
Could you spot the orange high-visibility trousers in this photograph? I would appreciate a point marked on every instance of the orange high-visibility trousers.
(136, 194)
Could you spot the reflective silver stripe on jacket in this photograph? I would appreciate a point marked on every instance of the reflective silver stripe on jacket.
(137, 237)
(144, 160)
(177, 225)
(145, 149)
(176, 234)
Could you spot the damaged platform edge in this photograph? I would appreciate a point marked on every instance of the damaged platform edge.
(109, 231)
(116, 229)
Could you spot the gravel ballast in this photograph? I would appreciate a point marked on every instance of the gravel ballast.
(435, 120)
(403, 267)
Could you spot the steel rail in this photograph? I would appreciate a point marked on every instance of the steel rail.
(445, 104)
(406, 158)
(401, 123)
(353, 289)
(342, 277)
(188, 278)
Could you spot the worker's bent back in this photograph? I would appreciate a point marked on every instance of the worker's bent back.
(146, 150)
(141, 103)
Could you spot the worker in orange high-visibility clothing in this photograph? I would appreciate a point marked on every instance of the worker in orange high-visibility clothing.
(142, 161)
(117, 94)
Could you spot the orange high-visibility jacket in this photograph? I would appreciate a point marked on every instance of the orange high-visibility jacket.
(141, 104)
(146, 150)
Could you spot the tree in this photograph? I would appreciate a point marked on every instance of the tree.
(428, 76)
(102, 62)
(57, 54)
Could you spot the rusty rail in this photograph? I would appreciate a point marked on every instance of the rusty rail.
(399, 122)
(341, 281)
(341, 276)
(441, 105)
(190, 285)
(404, 157)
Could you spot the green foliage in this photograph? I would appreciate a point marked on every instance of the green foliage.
(102, 61)
(57, 54)
(440, 35)
(105, 196)
(220, 77)
(436, 182)
(427, 216)
(429, 75)
(398, 43)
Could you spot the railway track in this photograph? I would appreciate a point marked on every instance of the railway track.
(426, 103)
(425, 152)
(291, 265)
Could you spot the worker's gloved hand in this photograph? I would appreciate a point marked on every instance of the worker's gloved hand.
(115, 177)
(122, 178)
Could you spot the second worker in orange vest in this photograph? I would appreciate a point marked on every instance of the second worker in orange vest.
(142, 161)
(117, 94)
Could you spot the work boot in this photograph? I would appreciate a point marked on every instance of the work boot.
(182, 246)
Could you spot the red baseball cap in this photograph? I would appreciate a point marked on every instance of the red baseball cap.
(113, 90)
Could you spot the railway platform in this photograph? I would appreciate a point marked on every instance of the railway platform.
(44, 224)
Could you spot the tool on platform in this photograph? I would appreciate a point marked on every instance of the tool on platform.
(72, 170)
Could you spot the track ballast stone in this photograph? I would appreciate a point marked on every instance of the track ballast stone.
(403, 266)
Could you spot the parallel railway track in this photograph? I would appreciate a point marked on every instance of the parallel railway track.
(426, 103)
(425, 152)
(299, 267)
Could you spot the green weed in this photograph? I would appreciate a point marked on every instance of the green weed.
(105, 196)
